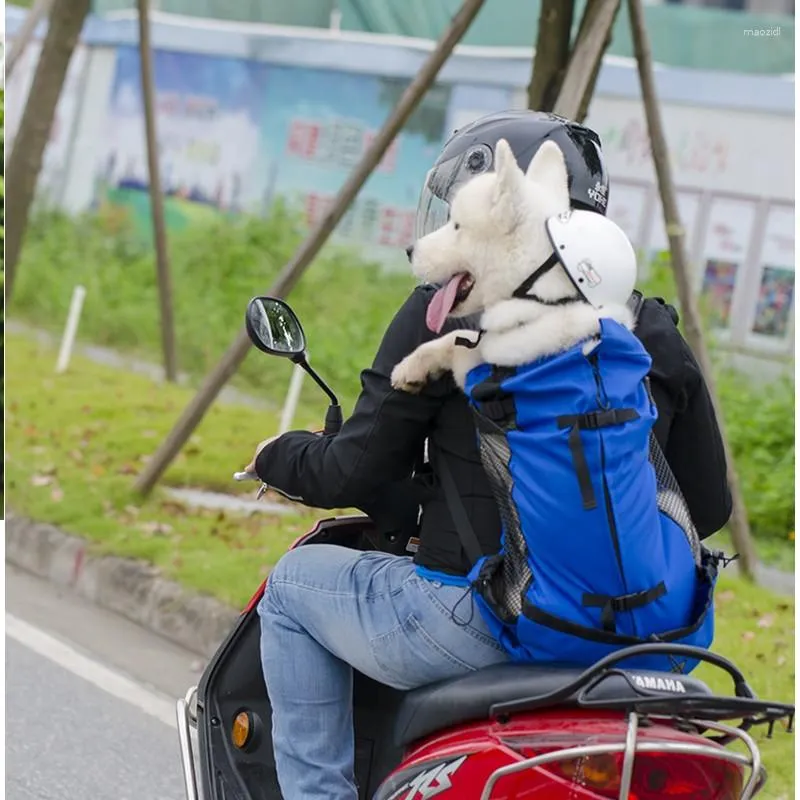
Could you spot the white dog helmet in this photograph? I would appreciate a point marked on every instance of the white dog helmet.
(596, 254)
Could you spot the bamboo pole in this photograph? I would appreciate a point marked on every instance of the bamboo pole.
(156, 196)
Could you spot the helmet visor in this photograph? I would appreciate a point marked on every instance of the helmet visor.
(441, 184)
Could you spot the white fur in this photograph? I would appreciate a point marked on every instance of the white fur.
(497, 234)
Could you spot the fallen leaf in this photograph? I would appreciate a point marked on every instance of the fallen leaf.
(132, 510)
(726, 596)
(31, 431)
(155, 528)
(127, 469)
(41, 480)
(748, 636)
(97, 470)
(76, 455)
(57, 495)
(149, 434)
(766, 621)
(781, 661)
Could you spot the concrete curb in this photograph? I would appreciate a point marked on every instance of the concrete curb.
(133, 589)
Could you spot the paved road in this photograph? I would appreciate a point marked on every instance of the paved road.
(89, 701)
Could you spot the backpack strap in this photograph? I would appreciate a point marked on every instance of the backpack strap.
(592, 420)
(467, 535)
(625, 602)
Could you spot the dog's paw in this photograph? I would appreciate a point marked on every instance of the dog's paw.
(410, 374)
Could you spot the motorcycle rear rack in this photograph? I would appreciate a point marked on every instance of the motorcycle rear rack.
(743, 705)
(631, 747)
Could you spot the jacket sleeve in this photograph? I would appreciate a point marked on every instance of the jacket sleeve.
(378, 444)
(687, 428)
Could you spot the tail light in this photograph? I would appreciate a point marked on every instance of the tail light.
(656, 775)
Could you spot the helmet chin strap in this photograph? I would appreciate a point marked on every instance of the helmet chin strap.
(521, 292)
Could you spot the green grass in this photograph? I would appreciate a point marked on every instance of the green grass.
(755, 629)
(343, 303)
(76, 441)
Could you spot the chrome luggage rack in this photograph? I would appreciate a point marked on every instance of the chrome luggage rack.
(702, 712)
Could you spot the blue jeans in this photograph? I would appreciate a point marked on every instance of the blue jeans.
(328, 609)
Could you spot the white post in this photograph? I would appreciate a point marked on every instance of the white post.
(292, 398)
(75, 308)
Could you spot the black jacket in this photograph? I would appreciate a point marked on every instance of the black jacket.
(369, 464)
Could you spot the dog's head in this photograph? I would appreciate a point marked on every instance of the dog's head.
(496, 236)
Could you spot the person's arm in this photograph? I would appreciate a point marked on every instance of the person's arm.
(378, 444)
(687, 428)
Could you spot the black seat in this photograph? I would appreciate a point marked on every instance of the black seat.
(469, 698)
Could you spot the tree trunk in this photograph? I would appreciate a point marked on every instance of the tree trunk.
(25, 162)
(552, 53)
(740, 529)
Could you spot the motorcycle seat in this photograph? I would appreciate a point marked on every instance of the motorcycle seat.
(468, 698)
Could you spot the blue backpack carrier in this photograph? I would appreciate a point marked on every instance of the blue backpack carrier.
(598, 549)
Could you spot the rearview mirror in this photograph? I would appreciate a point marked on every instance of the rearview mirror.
(274, 328)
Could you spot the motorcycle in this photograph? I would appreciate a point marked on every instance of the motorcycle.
(506, 732)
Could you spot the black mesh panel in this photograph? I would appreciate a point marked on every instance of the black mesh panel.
(496, 455)
(670, 498)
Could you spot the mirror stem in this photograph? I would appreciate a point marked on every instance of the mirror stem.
(301, 360)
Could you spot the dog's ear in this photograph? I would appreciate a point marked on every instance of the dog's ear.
(549, 170)
(509, 189)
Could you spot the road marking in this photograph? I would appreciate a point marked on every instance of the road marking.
(114, 683)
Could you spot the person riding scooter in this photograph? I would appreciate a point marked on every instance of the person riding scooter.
(407, 622)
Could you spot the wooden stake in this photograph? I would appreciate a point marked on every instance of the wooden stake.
(291, 273)
(39, 12)
(740, 529)
(588, 51)
(156, 196)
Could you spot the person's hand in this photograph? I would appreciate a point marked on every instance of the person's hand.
(251, 467)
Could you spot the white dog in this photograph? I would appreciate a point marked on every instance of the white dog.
(496, 239)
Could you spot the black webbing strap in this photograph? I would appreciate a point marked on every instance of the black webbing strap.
(469, 540)
(592, 420)
(625, 602)
(494, 402)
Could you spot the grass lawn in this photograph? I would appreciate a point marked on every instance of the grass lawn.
(75, 442)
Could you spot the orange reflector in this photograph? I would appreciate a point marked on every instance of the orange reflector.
(241, 729)
(597, 772)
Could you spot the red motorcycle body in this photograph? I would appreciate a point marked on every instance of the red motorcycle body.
(454, 740)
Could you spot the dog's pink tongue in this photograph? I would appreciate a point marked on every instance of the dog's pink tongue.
(442, 304)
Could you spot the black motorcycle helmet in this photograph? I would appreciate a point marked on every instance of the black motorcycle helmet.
(470, 152)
